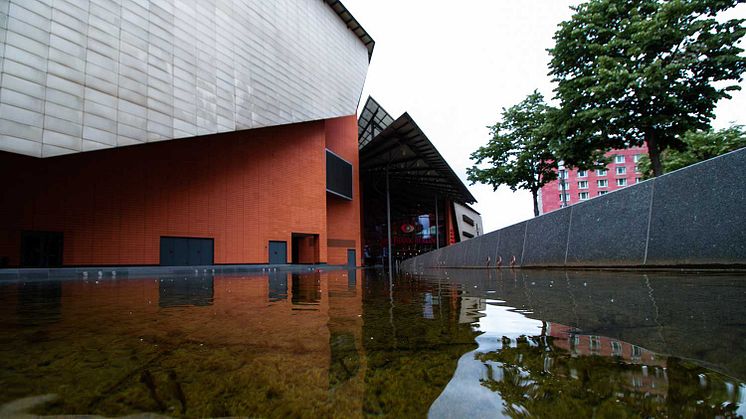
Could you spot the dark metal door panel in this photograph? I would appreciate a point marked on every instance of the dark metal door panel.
(41, 249)
(278, 253)
(207, 254)
(181, 252)
(195, 252)
(167, 251)
(351, 259)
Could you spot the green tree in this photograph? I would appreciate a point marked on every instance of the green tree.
(631, 72)
(519, 154)
(698, 146)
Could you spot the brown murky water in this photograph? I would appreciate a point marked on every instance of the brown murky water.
(466, 343)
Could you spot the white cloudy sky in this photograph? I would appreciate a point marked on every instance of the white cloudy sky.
(454, 65)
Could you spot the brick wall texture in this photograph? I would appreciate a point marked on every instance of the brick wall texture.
(242, 189)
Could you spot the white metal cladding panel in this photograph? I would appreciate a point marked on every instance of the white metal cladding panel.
(80, 75)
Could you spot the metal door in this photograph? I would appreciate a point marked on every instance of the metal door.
(278, 253)
(351, 259)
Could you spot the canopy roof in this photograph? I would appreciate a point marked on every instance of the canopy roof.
(413, 163)
(353, 24)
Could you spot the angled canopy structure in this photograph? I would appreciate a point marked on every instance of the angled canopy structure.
(408, 188)
(412, 161)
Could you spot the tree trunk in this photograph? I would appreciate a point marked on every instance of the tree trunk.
(535, 194)
(655, 155)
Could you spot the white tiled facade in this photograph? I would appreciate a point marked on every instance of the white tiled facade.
(79, 75)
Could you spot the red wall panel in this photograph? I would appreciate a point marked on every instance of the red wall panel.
(343, 216)
(243, 189)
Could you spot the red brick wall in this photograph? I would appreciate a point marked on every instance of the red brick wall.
(243, 189)
(343, 218)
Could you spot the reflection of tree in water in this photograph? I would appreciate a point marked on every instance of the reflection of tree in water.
(535, 377)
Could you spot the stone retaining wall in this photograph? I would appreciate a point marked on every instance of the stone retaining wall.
(695, 217)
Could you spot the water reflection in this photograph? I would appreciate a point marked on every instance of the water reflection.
(184, 291)
(356, 343)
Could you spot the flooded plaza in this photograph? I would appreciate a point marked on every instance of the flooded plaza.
(448, 343)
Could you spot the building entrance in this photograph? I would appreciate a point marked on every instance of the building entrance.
(41, 249)
(305, 248)
(186, 251)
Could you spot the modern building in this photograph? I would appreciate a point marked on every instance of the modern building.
(582, 185)
(412, 199)
(173, 132)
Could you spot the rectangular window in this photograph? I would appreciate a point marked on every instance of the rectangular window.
(618, 159)
(621, 170)
(602, 193)
(563, 174)
(338, 176)
(467, 220)
(582, 173)
(602, 183)
(583, 184)
(621, 182)
(637, 168)
(601, 172)
(638, 180)
(583, 196)
(636, 158)
(567, 197)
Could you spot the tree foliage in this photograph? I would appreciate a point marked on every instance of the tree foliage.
(698, 146)
(641, 71)
(519, 154)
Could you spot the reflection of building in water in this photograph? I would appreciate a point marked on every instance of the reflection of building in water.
(472, 308)
(185, 291)
(306, 291)
(651, 377)
(567, 338)
(278, 285)
(243, 347)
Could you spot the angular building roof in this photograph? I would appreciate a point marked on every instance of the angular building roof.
(353, 24)
(402, 148)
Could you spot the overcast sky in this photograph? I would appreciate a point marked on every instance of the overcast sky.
(454, 65)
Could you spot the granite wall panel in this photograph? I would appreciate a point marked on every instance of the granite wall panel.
(546, 239)
(611, 231)
(698, 214)
(511, 244)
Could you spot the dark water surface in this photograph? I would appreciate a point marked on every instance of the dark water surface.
(466, 343)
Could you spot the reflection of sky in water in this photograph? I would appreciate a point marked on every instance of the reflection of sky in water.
(465, 396)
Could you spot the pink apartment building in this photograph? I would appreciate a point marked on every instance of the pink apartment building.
(582, 185)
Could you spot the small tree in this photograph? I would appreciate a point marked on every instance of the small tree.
(642, 71)
(698, 146)
(518, 155)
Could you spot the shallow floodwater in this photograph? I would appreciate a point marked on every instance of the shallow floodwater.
(456, 343)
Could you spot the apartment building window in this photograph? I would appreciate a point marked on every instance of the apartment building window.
(637, 168)
(621, 182)
(638, 180)
(601, 172)
(563, 174)
(621, 170)
(619, 159)
(583, 196)
(567, 197)
(583, 184)
(636, 158)
(595, 343)
(602, 193)
(602, 183)
(582, 173)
